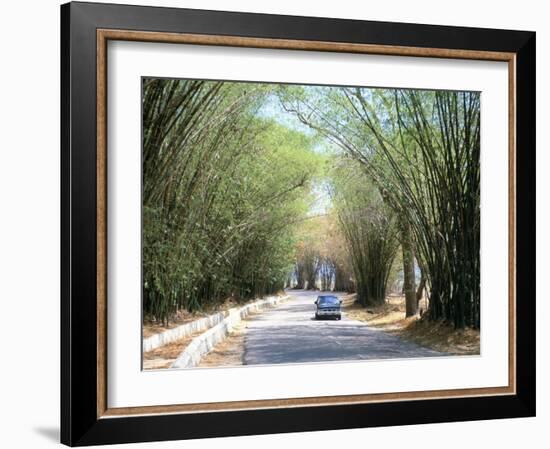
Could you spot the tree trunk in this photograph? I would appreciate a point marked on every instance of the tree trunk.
(340, 282)
(300, 276)
(408, 270)
(420, 289)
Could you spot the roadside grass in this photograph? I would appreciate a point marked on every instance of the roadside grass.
(437, 335)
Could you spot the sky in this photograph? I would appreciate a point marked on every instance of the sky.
(272, 109)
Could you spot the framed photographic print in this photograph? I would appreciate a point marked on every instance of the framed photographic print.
(280, 224)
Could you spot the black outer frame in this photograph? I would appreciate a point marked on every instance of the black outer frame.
(79, 422)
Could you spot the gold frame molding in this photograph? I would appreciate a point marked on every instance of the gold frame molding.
(105, 35)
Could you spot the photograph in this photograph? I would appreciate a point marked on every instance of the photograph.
(273, 223)
(300, 223)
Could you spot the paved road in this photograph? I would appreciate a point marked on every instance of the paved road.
(289, 334)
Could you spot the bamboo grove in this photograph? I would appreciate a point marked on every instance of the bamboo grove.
(232, 174)
(221, 190)
(421, 151)
(370, 230)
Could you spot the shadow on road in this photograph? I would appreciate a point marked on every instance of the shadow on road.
(290, 334)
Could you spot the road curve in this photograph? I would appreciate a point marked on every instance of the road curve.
(290, 334)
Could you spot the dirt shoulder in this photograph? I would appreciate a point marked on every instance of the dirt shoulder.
(229, 352)
(390, 317)
(183, 316)
(164, 356)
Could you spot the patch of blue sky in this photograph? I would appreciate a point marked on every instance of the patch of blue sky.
(273, 110)
(322, 202)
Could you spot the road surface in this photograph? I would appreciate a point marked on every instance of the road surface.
(290, 334)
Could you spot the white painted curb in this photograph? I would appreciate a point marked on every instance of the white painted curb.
(202, 324)
(202, 344)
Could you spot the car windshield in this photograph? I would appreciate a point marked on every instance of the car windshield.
(326, 300)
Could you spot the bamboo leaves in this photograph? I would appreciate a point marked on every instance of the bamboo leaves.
(421, 149)
(221, 188)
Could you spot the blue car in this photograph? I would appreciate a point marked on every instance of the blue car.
(328, 306)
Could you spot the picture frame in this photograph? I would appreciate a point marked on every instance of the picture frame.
(86, 28)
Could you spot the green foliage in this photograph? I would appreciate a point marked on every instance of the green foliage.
(421, 149)
(370, 230)
(222, 191)
(229, 192)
